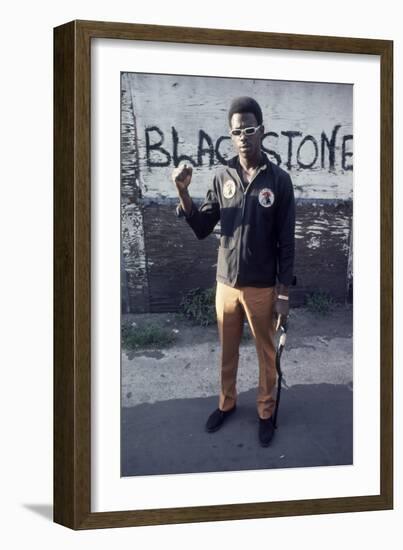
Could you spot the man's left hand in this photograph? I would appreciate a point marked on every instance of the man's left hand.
(281, 308)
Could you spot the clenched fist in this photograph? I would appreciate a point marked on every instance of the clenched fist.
(182, 176)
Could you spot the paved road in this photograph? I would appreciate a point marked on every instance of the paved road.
(168, 437)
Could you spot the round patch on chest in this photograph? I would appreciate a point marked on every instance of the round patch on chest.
(266, 197)
(229, 189)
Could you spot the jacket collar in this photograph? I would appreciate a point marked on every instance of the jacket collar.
(235, 164)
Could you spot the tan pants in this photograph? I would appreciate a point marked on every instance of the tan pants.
(232, 304)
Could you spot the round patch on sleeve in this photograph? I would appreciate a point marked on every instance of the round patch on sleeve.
(229, 189)
(266, 197)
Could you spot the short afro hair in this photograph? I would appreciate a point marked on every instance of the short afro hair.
(245, 104)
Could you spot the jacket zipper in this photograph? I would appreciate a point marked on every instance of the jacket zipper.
(243, 213)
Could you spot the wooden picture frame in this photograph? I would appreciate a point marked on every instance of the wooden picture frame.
(72, 272)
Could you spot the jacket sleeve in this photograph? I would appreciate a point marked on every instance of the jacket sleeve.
(202, 220)
(285, 225)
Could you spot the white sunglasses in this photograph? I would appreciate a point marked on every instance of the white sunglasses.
(246, 131)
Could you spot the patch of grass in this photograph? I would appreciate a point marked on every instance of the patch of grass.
(198, 306)
(147, 335)
(319, 302)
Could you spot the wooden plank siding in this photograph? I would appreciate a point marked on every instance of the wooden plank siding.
(178, 262)
(134, 281)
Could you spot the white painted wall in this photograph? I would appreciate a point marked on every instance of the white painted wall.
(190, 104)
(26, 303)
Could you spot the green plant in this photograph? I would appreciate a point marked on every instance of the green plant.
(198, 306)
(319, 302)
(145, 336)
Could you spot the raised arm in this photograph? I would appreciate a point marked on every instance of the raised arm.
(202, 220)
(182, 176)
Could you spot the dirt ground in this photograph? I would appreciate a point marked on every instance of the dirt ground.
(302, 324)
(318, 349)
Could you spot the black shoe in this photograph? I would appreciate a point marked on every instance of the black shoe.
(217, 418)
(266, 431)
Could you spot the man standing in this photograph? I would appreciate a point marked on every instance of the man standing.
(254, 201)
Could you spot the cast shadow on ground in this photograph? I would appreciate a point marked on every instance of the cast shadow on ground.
(44, 510)
(315, 428)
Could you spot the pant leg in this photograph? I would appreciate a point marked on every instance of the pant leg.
(230, 319)
(258, 306)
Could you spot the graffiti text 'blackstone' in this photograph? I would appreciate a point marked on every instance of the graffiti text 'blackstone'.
(304, 152)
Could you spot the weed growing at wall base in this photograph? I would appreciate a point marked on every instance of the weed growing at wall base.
(148, 335)
(198, 306)
(319, 302)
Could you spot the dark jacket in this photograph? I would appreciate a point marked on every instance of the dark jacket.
(257, 224)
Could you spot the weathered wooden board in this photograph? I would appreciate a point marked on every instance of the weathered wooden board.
(178, 262)
(322, 248)
(134, 282)
(182, 118)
